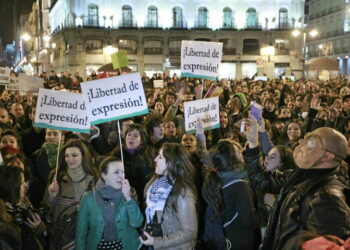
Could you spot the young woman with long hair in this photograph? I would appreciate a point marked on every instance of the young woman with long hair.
(171, 201)
(229, 199)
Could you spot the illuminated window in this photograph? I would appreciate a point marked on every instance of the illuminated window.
(127, 20)
(227, 18)
(152, 17)
(93, 15)
(283, 18)
(202, 19)
(178, 21)
(252, 19)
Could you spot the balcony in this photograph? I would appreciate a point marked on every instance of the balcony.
(93, 21)
(201, 23)
(282, 52)
(153, 51)
(253, 27)
(152, 24)
(180, 25)
(128, 24)
(174, 51)
(229, 51)
(129, 50)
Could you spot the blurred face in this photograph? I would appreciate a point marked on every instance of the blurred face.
(5, 96)
(298, 102)
(73, 157)
(309, 151)
(189, 143)
(170, 129)
(16, 162)
(161, 164)
(285, 113)
(293, 131)
(223, 119)
(270, 106)
(115, 175)
(133, 139)
(287, 99)
(170, 100)
(272, 160)
(150, 101)
(158, 132)
(4, 116)
(346, 104)
(52, 135)
(17, 110)
(159, 108)
(8, 140)
(322, 115)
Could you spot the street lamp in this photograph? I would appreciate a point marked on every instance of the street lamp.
(312, 33)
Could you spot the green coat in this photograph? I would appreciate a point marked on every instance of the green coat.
(90, 223)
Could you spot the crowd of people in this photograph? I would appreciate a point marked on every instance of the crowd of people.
(280, 182)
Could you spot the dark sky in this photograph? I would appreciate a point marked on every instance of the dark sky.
(7, 8)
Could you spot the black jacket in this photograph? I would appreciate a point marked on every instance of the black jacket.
(327, 212)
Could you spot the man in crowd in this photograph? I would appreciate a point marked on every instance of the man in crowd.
(311, 198)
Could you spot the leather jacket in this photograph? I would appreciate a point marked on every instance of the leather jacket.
(327, 213)
(180, 227)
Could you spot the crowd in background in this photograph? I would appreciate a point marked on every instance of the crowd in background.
(216, 189)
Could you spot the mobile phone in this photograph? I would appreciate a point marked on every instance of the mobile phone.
(256, 110)
(242, 126)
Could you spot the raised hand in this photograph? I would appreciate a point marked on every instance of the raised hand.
(126, 190)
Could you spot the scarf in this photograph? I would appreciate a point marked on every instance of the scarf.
(107, 199)
(78, 176)
(157, 195)
(51, 152)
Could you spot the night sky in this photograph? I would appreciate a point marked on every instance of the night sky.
(6, 17)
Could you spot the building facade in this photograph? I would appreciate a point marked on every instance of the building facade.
(332, 20)
(85, 32)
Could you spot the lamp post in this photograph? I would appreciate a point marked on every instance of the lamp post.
(297, 33)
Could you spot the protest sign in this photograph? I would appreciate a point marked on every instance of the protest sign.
(200, 59)
(61, 110)
(5, 75)
(158, 84)
(120, 59)
(114, 98)
(30, 83)
(214, 91)
(206, 109)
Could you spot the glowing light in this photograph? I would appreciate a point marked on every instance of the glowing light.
(313, 33)
(53, 45)
(268, 51)
(296, 33)
(47, 38)
(109, 50)
(320, 46)
(26, 37)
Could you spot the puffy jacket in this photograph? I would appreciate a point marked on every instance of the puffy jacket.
(327, 213)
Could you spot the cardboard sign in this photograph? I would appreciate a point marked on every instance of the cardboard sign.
(206, 109)
(5, 75)
(200, 59)
(30, 83)
(114, 98)
(120, 59)
(61, 110)
(214, 91)
(158, 84)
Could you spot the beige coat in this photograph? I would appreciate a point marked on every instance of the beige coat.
(180, 228)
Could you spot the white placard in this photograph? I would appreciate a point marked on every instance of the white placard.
(5, 75)
(158, 84)
(61, 110)
(30, 83)
(206, 109)
(200, 59)
(114, 98)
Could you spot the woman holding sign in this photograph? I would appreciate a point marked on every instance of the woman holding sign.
(109, 214)
(75, 174)
(172, 221)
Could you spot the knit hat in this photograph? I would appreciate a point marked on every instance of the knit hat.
(242, 98)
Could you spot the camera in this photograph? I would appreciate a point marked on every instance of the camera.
(20, 215)
(154, 229)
